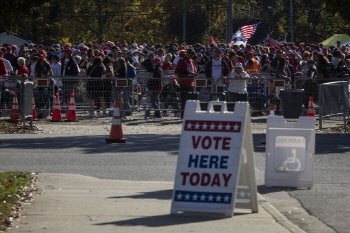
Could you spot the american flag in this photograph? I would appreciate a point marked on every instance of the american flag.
(249, 30)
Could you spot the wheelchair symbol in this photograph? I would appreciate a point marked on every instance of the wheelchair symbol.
(291, 161)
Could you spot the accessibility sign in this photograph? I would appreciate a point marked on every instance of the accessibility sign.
(215, 166)
(290, 147)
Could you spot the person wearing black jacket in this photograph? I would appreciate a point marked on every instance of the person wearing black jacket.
(155, 85)
(69, 67)
(148, 63)
(217, 69)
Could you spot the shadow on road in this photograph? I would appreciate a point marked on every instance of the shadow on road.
(97, 144)
(91, 144)
(161, 195)
(262, 189)
(168, 220)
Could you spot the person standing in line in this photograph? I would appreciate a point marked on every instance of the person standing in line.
(217, 69)
(185, 70)
(95, 84)
(237, 90)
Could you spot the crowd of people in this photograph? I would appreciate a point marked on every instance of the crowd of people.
(227, 67)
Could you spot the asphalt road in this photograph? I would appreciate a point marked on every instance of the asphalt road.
(153, 157)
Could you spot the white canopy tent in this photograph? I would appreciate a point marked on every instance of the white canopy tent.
(11, 39)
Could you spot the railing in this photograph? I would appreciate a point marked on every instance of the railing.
(147, 94)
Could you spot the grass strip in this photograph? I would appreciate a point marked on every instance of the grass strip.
(12, 185)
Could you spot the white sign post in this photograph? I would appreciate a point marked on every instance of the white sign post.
(215, 168)
(290, 147)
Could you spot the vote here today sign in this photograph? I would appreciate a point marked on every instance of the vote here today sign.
(208, 163)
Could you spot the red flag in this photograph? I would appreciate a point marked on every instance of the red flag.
(273, 43)
(212, 41)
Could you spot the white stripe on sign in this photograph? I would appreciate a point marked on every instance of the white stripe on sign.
(116, 122)
(116, 112)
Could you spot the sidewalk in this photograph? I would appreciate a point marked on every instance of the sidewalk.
(81, 204)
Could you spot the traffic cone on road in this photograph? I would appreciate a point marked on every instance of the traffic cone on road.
(310, 109)
(34, 116)
(72, 112)
(15, 108)
(116, 134)
(272, 109)
(56, 113)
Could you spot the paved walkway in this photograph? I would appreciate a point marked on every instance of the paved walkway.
(80, 204)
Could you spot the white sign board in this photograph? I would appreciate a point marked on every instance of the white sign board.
(215, 169)
(290, 147)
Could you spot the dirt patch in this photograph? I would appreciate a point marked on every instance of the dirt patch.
(14, 127)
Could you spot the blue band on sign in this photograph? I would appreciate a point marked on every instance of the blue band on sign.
(203, 197)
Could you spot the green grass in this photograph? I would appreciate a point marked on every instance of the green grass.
(11, 185)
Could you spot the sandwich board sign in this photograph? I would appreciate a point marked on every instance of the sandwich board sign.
(215, 167)
(290, 147)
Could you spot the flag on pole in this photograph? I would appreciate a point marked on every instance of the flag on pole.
(238, 38)
(212, 41)
(273, 43)
(266, 38)
(249, 30)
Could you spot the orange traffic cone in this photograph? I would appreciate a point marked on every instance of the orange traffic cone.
(34, 116)
(272, 109)
(15, 108)
(310, 109)
(56, 113)
(72, 112)
(116, 135)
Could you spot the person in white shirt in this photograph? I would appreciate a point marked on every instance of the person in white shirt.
(56, 70)
(237, 90)
(160, 54)
(8, 66)
(135, 57)
(217, 69)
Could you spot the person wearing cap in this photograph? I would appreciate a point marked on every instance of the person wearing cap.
(302, 66)
(237, 90)
(69, 66)
(217, 69)
(185, 71)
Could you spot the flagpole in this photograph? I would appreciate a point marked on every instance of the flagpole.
(229, 21)
(291, 21)
(184, 22)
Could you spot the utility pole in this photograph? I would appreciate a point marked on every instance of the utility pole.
(99, 21)
(229, 21)
(291, 14)
(184, 21)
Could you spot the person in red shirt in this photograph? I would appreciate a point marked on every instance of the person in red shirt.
(167, 65)
(3, 70)
(22, 68)
(185, 71)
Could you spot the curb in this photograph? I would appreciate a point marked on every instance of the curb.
(280, 218)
